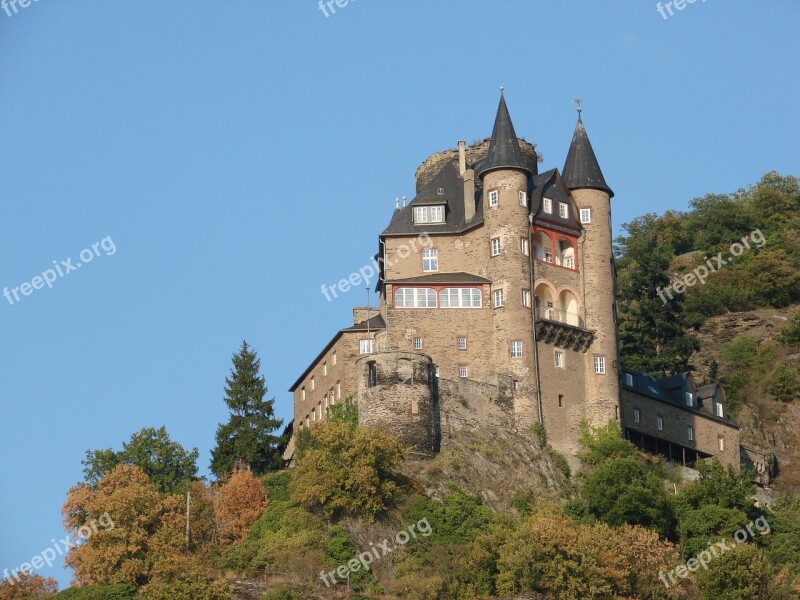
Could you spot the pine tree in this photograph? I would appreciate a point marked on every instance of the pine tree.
(249, 435)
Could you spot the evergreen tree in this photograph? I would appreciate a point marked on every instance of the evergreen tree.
(249, 435)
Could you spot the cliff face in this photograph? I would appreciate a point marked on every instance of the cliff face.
(767, 425)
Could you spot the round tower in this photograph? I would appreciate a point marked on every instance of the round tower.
(397, 393)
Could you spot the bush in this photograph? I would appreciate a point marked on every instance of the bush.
(790, 336)
(784, 385)
(98, 592)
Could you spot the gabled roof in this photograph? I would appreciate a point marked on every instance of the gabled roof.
(376, 323)
(551, 185)
(582, 171)
(504, 151)
(440, 278)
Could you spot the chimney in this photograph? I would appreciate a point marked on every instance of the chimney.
(462, 158)
(469, 195)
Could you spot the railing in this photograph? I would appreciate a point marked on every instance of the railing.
(559, 316)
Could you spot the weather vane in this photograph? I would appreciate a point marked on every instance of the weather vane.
(579, 102)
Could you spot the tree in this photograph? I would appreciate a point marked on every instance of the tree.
(248, 436)
(784, 385)
(168, 465)
(27, 587)
(348, 470)
(239, 502)
(790, 336)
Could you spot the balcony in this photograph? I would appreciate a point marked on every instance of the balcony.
(562, 328)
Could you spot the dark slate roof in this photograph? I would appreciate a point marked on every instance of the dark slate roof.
(376, 323)
(439, 278)
(665, 390)
(449, 178)
(551, 185)
(582, 169)
(504, 151)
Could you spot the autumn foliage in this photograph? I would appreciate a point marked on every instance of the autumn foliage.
(27, 587)
(239, 502)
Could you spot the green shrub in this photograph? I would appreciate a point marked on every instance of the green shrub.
(281, 595)
(784, 384)
(98, 592)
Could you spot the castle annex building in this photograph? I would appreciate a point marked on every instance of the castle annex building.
(508, 307)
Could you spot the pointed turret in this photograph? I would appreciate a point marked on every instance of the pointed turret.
(504, 151)
(582, 171)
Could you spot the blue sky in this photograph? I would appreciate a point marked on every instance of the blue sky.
(241, 154)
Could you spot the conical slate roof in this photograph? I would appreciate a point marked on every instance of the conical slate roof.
(581, 169)
(504, 151)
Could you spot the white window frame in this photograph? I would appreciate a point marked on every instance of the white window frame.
(563, 210)
(586, 215)
(463, 371)
(516, 349)
(690, 433)
(498, 298)
(523, 246)
(548, 256)
(637, 415)
(547, 206)
(429, 214)
(600, 365)
(410, 297)
(430, 260)
(325, 369)
(437, 372)
(721, 443)
(719, 410)
(495, 246)
(629, 379)
(494, 198)
(523, 198)
(558, 359)
(460, 298)
(688, 398)
(659, 422)
(417, 343)
(569, 262)
(333, 358)
(313, 384)
(365, 346)
(303, 393)
(526, 298)
(461, 342)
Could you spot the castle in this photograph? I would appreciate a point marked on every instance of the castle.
(507, 308)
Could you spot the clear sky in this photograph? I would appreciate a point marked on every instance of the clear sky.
(241, 154)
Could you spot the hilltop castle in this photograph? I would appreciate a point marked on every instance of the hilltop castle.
(506, 314)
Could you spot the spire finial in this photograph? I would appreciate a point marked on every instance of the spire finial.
(404, 200)
(579, 103)
(502, 89)
(396, 202)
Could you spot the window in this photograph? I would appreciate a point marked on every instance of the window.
(326, 401)
(516, 349)
(560, 401)
(637, 415)
(559, 358)
(600, 365)
(440, 192)
(523, 246)
(308, 421)
(463, 371)
(437, 372)
(319, 410)
(365, 346)
(494, 198)
(526, 298)
(430, 260)
(415, 298)
(629, 379)
(460, 298)
(333, 358)
(495, 246)
(690, 433)
(461, 343)
(721, 443)
(523, 198)
(303, 393)
(547, 204)
(325, 368)
(429, 214)
(688, 397)
(660, 423)
(372, 374)
(498, 298)
(586, 215)
(563, 210)
(417, 343)
(720, 412)
(569, 262)
(548, 257)
(338, 390)
(313, 384)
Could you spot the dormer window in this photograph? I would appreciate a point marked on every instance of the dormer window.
(720, 412)
(629, 380)
(440, 192)
(689, 399)
(494, 198)
(429, 214)
(563, 210)
(547, 206)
